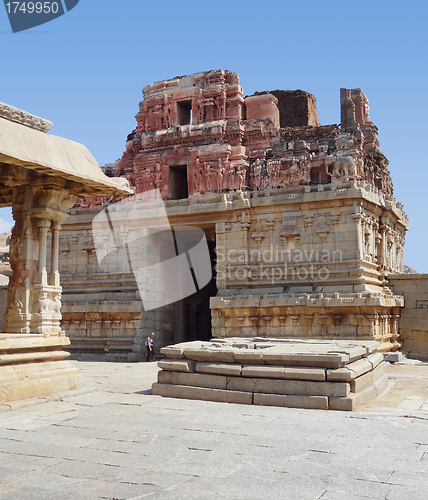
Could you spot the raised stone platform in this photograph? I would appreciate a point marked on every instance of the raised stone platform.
(33, 365)
(325, 375)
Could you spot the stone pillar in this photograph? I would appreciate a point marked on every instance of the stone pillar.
(221, 254)
(309, 224)
(44, 226)
(382, 245)
(54, 275)
(359, 329)
(245, 226)
(41, 177)
(34, 300)
(33, 341)
(394, 332)
(271, 227)
(335, 219)
(358, 219)
(283, 323)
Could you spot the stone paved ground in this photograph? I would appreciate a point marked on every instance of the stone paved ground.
(120, 442)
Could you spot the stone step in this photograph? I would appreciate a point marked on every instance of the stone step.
(356, 400)
(256, 385)
(292, 401)
(202, 393)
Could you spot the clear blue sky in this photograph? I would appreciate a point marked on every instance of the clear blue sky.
(85, 70)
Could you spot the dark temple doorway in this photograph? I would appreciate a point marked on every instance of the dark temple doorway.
(179, 187)
(193, 313)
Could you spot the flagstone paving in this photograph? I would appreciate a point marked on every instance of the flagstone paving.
(120, 442)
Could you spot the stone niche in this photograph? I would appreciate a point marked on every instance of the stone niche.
(301, 221)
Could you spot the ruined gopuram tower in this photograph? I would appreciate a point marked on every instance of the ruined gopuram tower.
(300, 218)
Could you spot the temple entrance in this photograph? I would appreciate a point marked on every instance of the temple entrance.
(193, 318)
(197, 308)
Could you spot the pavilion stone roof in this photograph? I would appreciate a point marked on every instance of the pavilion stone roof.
(25, 143)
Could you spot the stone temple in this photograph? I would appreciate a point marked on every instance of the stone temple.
(300, 219)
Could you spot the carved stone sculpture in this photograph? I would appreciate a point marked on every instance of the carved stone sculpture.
(220, 175)
(341, 167)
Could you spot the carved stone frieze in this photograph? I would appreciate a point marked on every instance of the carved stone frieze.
(23, 118)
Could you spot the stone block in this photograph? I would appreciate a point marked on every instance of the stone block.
(263, 371)
(178, 365)
(262, 106)
(372, 346)
(406, 333)
(251, 356)
(309, 402)
(297, 387)
(165, 377)
(241, 384)
(35, 379)
(381, 384)
(284, 372)
(362, 382)
(356, 353)
(393, 357)
(221, 355)
(172, 352)
(353, 401)
(8, 375)
(219, 368)
(414, 323)
(350, 371)
(420, 336)
(199, 380)
(416, 347)
(200, 393)
(409, 313)
(418, 356)
(341, 374)
(315, 359)
(375, 359)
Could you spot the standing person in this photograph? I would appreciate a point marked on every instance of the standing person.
(150, 347)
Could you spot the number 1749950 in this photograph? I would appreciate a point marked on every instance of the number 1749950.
(32, 7)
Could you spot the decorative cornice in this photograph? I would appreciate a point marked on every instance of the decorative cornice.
(23, 118)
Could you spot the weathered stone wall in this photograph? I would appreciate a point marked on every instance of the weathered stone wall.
(102, 311)
(292, 262)
(297, 108)
(413, 323)
(309, 264)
